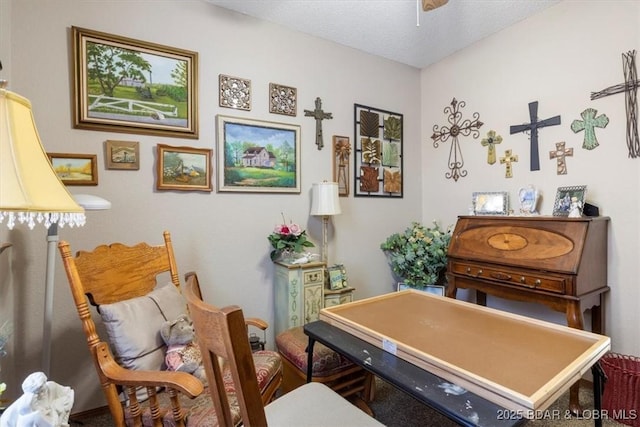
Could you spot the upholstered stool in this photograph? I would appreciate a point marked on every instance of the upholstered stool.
(329, 367)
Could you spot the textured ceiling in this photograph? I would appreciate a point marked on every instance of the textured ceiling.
(388, 28)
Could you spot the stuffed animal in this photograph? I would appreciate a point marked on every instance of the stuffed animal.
(183, 353)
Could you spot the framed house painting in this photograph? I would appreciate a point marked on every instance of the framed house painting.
(258, 156)
(133, 86)
(183, 168)
(378, 141)
(122, 155)
(75, 169)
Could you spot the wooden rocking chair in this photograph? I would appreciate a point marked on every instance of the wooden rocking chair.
(123, 283)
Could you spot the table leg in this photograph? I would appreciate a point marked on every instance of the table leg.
(312, 342)
(598, 383)
(575, 320)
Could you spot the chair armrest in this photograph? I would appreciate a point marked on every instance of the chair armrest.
(257, 322)
(181, 381)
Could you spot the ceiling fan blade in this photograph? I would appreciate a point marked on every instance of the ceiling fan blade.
(428, 5)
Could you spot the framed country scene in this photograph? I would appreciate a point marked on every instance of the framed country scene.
(127, 85)
(378, 143)
(122, 155)
(183, 168)
(75, 169)
(258, 156)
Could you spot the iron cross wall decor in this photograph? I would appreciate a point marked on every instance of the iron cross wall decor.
(378, 142)
(630, 89)
(457, 127)
(533, 127)
(319, 115)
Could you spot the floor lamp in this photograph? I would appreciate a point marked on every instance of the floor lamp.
(30, 190)
(325, 203)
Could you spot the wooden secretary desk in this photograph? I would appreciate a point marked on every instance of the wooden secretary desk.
(556, 261)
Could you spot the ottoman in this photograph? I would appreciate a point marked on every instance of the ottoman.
(329, 367)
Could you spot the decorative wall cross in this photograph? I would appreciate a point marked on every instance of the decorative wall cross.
(588, 124)
(491, 141)
(319, 115)
(466, 128)
(630, 89)
(533, 128)
(560, 154)
(508, 159)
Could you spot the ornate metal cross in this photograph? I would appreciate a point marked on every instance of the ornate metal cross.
(560, 154)
(466, 128)
(508, 159)
(630, 89)
(588, 124)
(533, 127)
(319, 115)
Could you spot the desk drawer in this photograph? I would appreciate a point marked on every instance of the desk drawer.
(515, 277)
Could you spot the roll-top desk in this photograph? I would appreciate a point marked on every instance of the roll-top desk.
(556, 261)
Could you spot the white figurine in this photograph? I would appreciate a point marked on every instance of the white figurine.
(43, 404)
(575, 208)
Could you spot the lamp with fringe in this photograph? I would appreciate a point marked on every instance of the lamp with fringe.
(31, 192)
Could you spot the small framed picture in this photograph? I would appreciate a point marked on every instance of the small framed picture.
(75, 169)
(565, 197)
(184, 168)
(495, 203)
(337, 277)
(341, 155)
(122, 155)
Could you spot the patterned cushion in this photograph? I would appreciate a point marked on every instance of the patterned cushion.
(200, 410)
(292, 345)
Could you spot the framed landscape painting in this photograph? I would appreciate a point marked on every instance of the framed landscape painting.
(122, 155)
(258, 156)
(183, 168)
(75, 169)
(127, 85)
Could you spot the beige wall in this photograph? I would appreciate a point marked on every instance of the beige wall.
(558, 58)
(223, 236)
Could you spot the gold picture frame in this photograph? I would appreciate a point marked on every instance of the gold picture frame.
(341, 162)
(124, 155)
(75, 169)
(158, 96)
(183, 168)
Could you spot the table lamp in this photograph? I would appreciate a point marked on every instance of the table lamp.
(30, 190)
(325, 203)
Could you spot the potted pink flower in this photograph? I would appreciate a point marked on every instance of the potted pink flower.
(288, 239)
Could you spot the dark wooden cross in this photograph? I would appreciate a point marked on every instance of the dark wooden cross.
(319, 115)
(630, 89)
(533, 128)
(560, 153)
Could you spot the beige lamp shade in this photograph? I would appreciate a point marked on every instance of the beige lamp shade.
(30, 190)
(428, 5)
(324, 199)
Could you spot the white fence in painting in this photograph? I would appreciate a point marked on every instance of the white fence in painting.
(132, 106)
